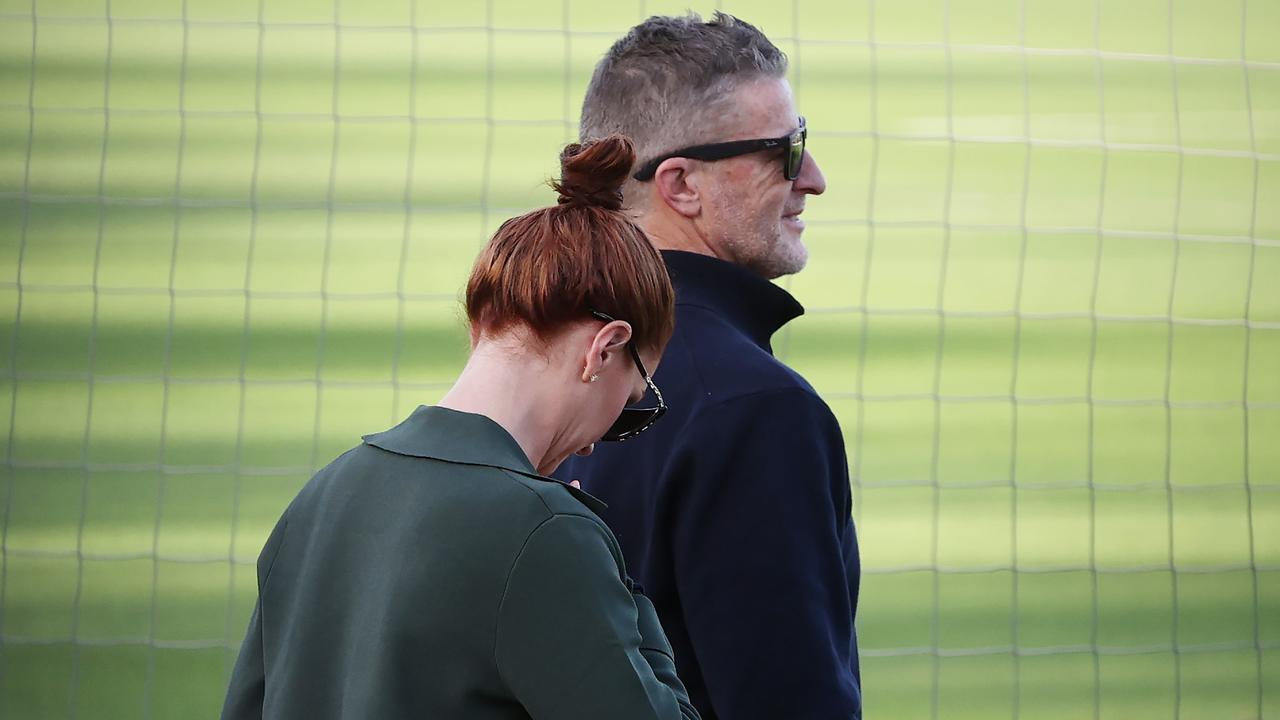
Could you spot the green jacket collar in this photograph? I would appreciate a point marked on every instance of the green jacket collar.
(465, 439)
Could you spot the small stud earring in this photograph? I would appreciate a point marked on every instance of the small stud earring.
(594, 378)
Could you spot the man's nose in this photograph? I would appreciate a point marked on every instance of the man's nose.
(811, 181)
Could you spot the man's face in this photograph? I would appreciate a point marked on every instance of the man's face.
(751, 211)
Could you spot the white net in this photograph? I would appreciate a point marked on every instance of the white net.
(1043, 301)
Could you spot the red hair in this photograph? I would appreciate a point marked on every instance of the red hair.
(554, 265)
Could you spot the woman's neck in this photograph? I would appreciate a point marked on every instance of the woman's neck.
(517, 389)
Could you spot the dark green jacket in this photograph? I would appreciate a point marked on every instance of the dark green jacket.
(432, 573)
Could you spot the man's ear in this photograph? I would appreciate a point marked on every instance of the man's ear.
(677, 183)
(606, 347)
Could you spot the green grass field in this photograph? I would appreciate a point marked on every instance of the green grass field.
(1044, 300)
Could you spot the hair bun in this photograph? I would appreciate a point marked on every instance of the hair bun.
(592, 173)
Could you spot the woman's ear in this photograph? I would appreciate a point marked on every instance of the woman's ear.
(605, 347)
(677, 184)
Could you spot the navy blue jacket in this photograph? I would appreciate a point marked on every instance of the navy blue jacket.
(734, 510)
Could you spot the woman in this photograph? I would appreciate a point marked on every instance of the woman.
(434, 571)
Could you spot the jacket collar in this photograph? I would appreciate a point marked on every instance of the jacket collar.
(753, 305)
(465, 439)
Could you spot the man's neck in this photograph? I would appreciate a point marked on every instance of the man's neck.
(666, 233)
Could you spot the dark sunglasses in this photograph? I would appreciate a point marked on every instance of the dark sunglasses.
(633, 421)
(792, 160)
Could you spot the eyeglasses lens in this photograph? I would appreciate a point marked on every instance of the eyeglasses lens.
(634, 420)
(795, 154)
(631, 422)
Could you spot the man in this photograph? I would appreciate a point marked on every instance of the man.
(735, 512)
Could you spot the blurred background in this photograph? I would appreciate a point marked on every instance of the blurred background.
(1043, 299)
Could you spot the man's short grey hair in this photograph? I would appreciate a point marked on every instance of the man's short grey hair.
(664, 82)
